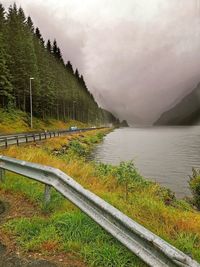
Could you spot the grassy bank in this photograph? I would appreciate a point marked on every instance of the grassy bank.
(61, 227)
(18, 121)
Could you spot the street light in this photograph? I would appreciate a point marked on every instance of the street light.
(31, 104)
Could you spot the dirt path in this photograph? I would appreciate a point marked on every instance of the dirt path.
(13, 206)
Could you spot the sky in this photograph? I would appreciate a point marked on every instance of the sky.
(138, 57)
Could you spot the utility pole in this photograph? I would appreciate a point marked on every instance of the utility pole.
(31, 102)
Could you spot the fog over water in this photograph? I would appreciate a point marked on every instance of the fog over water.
(138, 57)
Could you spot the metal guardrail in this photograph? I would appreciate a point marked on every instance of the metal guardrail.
(147, 246)
(17, 139)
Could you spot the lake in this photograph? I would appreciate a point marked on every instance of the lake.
(162, 154)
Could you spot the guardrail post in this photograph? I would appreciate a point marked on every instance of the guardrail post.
(17, 140)
(26, 138)
(47, 193)
(50, 134)
(2, 175)
(6, 142)
(40, 137)
(34, 137)
(54, 134)
(45, 135)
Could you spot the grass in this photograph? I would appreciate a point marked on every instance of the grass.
(18, 121)
(65, 228)
(71, 232)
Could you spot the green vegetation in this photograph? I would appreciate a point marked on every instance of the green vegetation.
(61, 227)
(127, 175)
(58, 91)
(71, 232)
(19, 121)
(195, 187)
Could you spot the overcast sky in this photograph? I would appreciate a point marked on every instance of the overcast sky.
(138, 57)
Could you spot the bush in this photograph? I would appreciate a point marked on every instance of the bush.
(194, 184)
(78, 149)
(103, 169)
(126, 173)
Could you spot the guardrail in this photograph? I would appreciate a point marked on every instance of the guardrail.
(17, 139)
(147, 246)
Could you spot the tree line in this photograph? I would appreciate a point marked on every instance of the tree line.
(57, 90)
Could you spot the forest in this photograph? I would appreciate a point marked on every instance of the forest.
(27, 61)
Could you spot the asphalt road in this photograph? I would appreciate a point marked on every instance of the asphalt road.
(7, 140)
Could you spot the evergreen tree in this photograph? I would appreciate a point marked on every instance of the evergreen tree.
(55, 48)
(69, 67)
(77, 74)
(30, 24)
(39, 36)
(2, 18)
(49, 47)
(6, 88)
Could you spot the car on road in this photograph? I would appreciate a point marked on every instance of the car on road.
(73, 128)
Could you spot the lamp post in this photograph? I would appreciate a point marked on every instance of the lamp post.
(31, 104)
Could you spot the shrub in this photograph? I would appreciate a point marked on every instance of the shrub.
(194, 184)
(103, 169)
(75, 147)
(126, 173)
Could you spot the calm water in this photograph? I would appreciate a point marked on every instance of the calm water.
(162, 154)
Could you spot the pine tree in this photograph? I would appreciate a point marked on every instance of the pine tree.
(30, 24)
(77, 74)
(55, 47)
(39, 36)
(49, 47)
(6, 88)
(69, 67)
(2, 18)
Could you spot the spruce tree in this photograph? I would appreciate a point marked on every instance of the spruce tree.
(49, 47)
(77, 74)
(6, 88)
(30, 24)
(69, 67)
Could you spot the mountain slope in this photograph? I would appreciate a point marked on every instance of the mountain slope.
(186, 112)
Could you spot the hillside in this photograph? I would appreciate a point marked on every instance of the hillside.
(186, 112)
(31, 66)
(19, 122)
